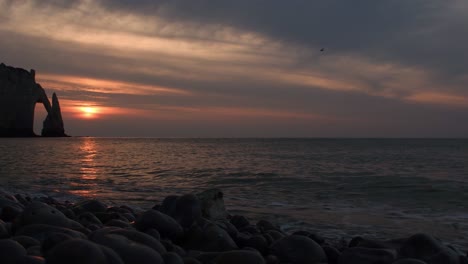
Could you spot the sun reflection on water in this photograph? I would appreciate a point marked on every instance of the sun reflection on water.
(86, 184)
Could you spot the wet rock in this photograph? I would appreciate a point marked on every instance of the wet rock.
(187, 210)
(239, 256)
(54, 239)
(264, 226)
(239, 221)
(166, 225)
(9, 213)
(190, 260)
(275, 235)
(154, 233)
(168, 205)
(11, 251)
(41, 213)
(34, 251)
(88, 218)
(428, 249)
(172, 258)
(209, 237)
(298, 249)
(78, 251)
(92, 206)
(212, 204)
(41, 232)
(367, 256)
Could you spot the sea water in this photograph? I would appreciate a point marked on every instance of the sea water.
(339, 188)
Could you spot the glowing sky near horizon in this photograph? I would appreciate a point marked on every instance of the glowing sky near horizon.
(247, 68)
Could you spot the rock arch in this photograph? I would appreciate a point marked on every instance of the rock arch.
(19, 94)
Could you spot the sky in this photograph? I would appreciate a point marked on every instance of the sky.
(246, 68)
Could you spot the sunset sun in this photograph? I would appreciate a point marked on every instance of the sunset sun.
(88, 111)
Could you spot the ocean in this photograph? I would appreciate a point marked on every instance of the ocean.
(338, 188)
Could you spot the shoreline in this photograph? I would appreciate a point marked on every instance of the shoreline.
(190, 228)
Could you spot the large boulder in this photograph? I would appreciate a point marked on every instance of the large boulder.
(212, 204)
(164, 224)
(81, 251)
(41, 213)
(10, 251)
(367, 256)
(53, 124)
(429, 250)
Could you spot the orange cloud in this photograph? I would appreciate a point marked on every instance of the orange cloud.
(439, 98)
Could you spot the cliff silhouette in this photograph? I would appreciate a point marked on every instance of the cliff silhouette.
(19, 94)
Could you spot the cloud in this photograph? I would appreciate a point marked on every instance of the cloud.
(246, 59)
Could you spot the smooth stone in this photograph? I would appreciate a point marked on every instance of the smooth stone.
(409, 261)
(154, 233)
(172, 258)
(187, 210)
(208, 238)
(320, 240)
(275, 234)
(367, 256)
(229, 228)
(142, 238)
(298, 250)
(332, 254)
(34, 251)
(26, 241)
(54, 239)
(130, 252)
(4, 230)
(264, 226)
(108, 216)
(118, 223)
(239, 221)
(77, 251)
(428, 249)
(171, 247)
(88, 218)
(41, 213)
(41, 231)
(9, 213)
(190, 260)
(212, 204)
(31, 260)
(239, 256)
(168, 205)
(92, 206)
(11, 251)
(166, 225)
(257, 242)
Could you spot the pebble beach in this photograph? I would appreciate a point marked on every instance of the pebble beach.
(184, 228)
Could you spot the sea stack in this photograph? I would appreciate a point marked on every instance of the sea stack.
(19, 94)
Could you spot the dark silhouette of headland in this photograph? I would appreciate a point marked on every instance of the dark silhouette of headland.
(19, 94)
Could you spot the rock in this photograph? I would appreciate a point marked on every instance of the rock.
(172, 258)
(209, 237)
(239, 221)
(20, 93)
(26, 241)
(11, 251)
(34, 251)
(41, 213)
(320, 240)
(298, 250)
(54, 239)
(428, 249)
(118, 223)
(3, 230)
(78, 251)
(92, 206)
(257, 242)
(366, 256)
(9, 209)
(409, 261)
(139, 237)
(128, 251)
(30, 260)
(239, 256)
(168, 205)
(212, 204)
(166, 225)
(332, 254)
(264, 226)
(88, 218)
(187, 210)
(41, 232)
(53, 124)
(191, 261)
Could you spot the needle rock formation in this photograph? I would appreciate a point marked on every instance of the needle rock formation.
(19, 94)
